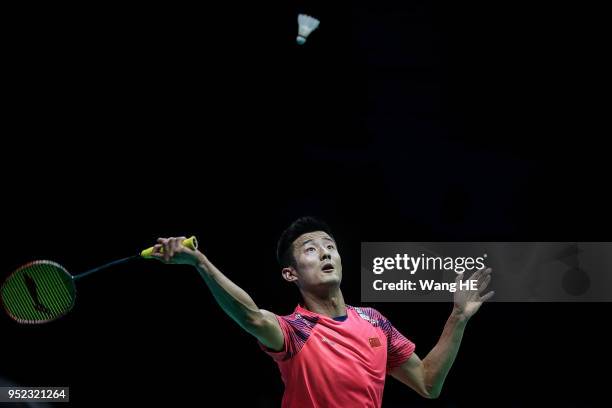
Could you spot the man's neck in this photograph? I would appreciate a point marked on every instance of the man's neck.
(332, 305)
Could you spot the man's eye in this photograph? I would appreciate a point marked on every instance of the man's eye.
(330, 247)
(310, 249)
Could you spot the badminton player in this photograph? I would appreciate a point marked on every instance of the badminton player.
(331, 354)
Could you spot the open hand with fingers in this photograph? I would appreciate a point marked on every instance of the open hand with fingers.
(172, 251)
(467, 302)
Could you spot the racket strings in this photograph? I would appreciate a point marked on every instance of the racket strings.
(38, 292)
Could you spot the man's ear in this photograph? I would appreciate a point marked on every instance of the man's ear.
(289, 274)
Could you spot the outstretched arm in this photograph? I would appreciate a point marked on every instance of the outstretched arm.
(233, 300)
(427, 376)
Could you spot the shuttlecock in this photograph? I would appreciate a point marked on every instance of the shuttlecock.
(306, 25)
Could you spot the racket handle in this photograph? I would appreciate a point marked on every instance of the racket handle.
(191, 243)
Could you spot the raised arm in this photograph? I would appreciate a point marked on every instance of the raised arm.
(233, 300)
(427, 376)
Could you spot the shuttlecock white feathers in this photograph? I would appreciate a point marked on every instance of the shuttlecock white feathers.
(306, 25)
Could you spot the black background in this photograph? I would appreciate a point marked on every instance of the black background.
(397, 121)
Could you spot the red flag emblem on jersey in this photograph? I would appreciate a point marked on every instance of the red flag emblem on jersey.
(374, 342)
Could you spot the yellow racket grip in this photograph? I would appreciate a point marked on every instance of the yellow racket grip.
(191, 243)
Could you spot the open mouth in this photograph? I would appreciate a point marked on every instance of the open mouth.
(328, 267)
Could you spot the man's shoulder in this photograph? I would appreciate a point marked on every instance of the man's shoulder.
(299, 319)
(369, 314)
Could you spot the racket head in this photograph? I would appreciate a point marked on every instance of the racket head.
(38, 292)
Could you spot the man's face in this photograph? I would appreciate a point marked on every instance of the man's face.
(317, 261)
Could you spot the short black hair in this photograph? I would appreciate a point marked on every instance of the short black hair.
(301, 226)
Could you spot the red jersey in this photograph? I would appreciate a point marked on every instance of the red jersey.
(330, 363)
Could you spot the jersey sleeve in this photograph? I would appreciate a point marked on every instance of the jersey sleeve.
(296, 331)
(399, 348)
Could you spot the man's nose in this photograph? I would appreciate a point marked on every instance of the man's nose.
(325, 253)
